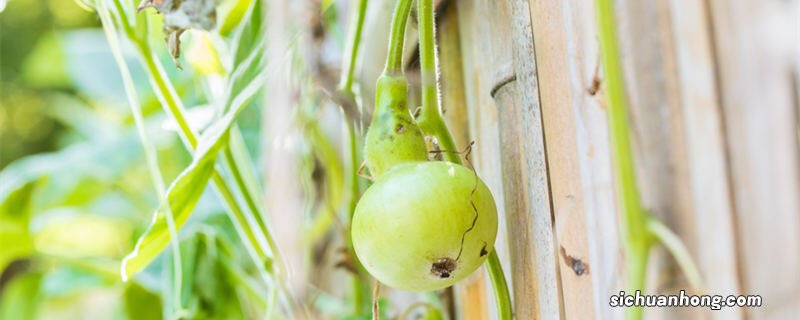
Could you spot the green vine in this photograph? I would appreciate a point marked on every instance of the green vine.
(640, 229)
(346, 91)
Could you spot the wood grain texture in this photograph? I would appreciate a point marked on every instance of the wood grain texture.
(692, 89)
(578, 157)
(756, 54)
(534, 251)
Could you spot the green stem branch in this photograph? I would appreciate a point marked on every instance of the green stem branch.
(637, 241)
(346, 90)
(354, 40)
(397, 37)
(430, 119)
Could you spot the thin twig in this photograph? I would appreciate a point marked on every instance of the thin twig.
(376, 294)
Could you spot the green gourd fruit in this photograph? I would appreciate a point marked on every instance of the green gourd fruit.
(423, 225)
(415, 228)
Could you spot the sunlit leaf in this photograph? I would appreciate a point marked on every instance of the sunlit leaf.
(202, 55)
(234, 16)
(182, 196)
(15, 214)
(185, 191)
(45, 66)
(20, 297)
(69, 233)
(141, 304)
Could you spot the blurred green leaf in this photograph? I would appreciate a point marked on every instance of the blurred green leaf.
(248, 57)
(325, 5)
(71, 233)
(63, 281)
(45, 66)
(236, 9)
(210, 289)
(182, 196)
(20, 297)
(77, 173)
(91, 67)
(185, 191)
(141, 304)
(15, 214)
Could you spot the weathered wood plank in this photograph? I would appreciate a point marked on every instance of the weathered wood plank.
(707, 215)
(577, 154)
(533, 250)
(756, 52)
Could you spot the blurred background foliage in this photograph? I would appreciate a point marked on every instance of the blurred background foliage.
(75, 190)
(74, 183)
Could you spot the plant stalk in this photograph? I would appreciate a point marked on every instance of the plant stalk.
(640, 229)
(637, 241)
(394, 60)
(346, 90)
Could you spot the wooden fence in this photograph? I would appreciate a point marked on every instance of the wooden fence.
(713, 89)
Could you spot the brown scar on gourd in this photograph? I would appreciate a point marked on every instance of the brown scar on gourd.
(443, 268)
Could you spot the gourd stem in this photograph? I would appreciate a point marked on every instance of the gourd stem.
(501, 295)
(432, 123)
(430, 119)
(397, 37)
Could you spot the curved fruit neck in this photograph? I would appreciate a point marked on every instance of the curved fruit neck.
(390, 97)
(393, 136)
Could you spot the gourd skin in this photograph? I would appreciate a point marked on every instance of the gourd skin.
(414, 217)
(393, 137)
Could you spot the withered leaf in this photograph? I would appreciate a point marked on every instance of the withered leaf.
(181, 15)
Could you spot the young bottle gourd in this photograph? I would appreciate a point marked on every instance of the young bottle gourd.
(423, 225)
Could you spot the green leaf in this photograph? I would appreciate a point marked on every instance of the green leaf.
(234, 16)
(15, 214)
(100, 236)
(20, 297)
(141, 304)
(325, 5)
(185, 191)
(65, 281)
(182, 196)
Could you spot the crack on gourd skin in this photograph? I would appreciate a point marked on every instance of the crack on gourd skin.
(466, 153)
(443, 268)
